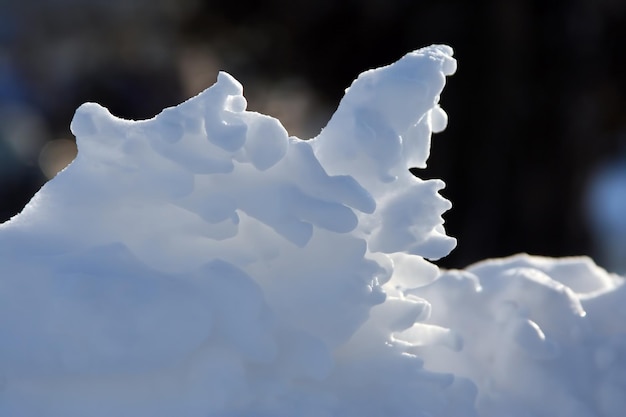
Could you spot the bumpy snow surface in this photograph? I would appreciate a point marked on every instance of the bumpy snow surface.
(205, 264)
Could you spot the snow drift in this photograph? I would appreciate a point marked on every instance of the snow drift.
(204, 263)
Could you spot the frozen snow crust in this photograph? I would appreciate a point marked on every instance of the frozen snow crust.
(542, 336)
(204, 263)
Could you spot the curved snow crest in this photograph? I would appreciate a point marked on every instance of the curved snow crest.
(542, 336)
(383, 127)
(203, 262)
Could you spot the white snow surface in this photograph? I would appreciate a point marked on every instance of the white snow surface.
(203, 263)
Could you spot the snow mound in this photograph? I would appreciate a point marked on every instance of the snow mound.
(542, 337)
(204, 263)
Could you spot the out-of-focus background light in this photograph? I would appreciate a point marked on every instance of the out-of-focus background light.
(537, 107)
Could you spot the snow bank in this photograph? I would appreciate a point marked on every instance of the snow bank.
(542, 337)
(204, 263)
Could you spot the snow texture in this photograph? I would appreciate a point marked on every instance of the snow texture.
(204, 263)
(541, 337)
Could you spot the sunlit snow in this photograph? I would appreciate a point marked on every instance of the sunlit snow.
(205, 264)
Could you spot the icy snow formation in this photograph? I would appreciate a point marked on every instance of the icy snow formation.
(205, 264)
(542, 337)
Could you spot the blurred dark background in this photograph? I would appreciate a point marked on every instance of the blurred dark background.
(537, 107)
